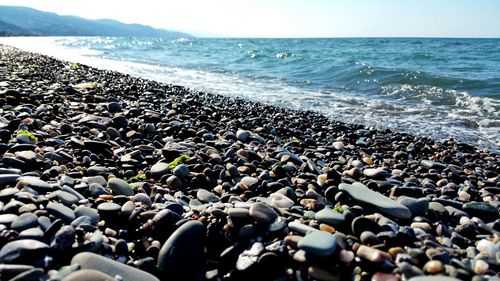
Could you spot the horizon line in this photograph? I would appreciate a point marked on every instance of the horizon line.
(265, 37)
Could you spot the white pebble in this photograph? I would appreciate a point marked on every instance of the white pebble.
(480, 266)
(464, 196)
(346, 256)
(464, 220)
(487, 247)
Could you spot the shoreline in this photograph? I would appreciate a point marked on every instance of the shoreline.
(463, 118)
(101, 162)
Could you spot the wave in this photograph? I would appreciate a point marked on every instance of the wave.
(349, 80)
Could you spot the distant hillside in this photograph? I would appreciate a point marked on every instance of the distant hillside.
(27, 21)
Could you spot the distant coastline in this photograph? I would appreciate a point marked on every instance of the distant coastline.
(22, 21)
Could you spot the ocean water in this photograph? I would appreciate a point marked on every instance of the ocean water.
(437, 88)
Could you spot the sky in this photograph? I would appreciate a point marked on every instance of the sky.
(293, 18)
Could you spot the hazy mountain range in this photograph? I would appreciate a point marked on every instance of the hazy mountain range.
(28, 21)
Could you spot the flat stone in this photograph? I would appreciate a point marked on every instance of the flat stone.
(8, 179)
(35, 233)
(96, 190)
(262, 212)
(418, 207)
(14, 269)
(67, 198)
(318, 243)
(433, 278)
(30, 275)
(89, 212)
(95, 179)
(482, 210)
(8, 193)
(249, 181)
(35, 183)
(385, 205)
(329, 216)
(238, 213)
(7, 219)
(107, 208)
(88, 275)
(301, 228)
(290, 157)
(97, 170)
(432, 165)
(61, 212)
(375, 173)
(281, 201)
(26, 156)
(25, 221)
(181, 256)
(72, 191)
(121, 187)
(206, 196)
(159, 169)
(88, 260)
(23, 251)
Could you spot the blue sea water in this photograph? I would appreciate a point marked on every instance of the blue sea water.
(438, 88)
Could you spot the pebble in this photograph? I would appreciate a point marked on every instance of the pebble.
(480, 266)
(434, 267)
(262, 212)
(362, 224)
(34, 183)
(108, 208)
(379, 276)
(364, 195)
(88, 275)
(482, 210)
(181, 256)
(87, 260)
(121, 187)
(242, 135)
(375, 173)
(24, 221)
(206, 196)
(60, 211)
(418, 207)
(89, 212)
(372, 254)
(159, 169)
(330, 217)
(487, 247)
(23, 251)
(318, 243)
(433, 278)
(181, 171)
(67, 198)
(8, 179)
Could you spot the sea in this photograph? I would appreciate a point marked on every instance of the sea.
(439, 88)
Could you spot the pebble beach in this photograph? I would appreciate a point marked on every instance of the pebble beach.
(106, 176)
